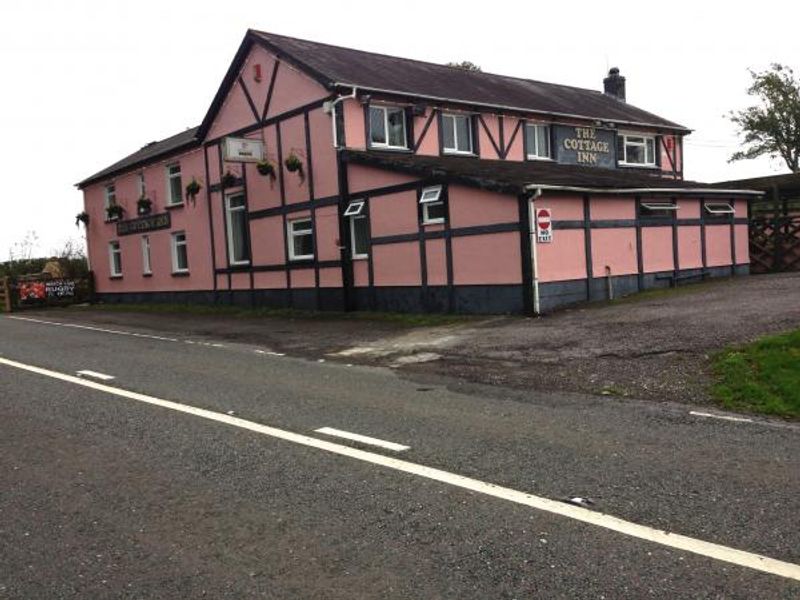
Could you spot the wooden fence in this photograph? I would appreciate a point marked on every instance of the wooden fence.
(5, 295)
(775, 236)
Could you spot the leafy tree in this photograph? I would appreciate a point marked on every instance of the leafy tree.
(466, 65)
(771, 127)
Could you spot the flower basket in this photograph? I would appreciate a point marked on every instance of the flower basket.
(293, 164)
(144, 206)
(228, 179)
(193, 188)
(82, 217)
(114, 212)
(266, 168)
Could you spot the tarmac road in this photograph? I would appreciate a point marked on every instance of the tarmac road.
(106, 490)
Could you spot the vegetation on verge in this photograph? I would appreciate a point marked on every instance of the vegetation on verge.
(761, 377)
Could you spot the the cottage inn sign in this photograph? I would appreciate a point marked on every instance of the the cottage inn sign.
(585, 146)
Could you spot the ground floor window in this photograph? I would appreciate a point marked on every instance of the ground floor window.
(301, 239)
(115, 259)
(359, 228)
(180, 255)
(433, 210)
(146, 266)
(663, 210)
(236, 221)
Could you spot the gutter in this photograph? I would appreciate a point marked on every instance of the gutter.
(664, 190)
(510, 108)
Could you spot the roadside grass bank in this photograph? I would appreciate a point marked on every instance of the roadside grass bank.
(762, 377)
(400, 319)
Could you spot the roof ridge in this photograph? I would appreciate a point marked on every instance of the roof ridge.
(425, 62)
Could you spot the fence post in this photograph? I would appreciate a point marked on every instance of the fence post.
(6, 289)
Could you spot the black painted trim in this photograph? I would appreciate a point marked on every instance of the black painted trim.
(511, 140)
(210, 214)
(249, 99)
(639, 245)
(445, 233)
(525, 245)
(587, 244)
(270, 89)
(424, 131)
(294, 207)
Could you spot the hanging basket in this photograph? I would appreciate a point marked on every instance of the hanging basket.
(266, 168)
(193, 188)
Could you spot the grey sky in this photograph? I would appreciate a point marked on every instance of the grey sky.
(87, 82)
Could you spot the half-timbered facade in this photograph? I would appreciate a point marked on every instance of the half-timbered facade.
(392, 184)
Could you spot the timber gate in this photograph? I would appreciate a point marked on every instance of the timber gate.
(774, 235)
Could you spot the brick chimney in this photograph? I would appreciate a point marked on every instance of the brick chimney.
(614, 84)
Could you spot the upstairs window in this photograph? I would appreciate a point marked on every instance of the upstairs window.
(114, 259)
(180, 255)
(457, 134)
(663, 210)
(147, 267)
(639, 150)
(110, 195)
(301, 239)
(174, 185)
(387, 127)
(433, 210)
(236, 221)
(537, 141)
(141, 186)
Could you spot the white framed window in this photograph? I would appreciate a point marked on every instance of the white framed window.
(387, 127)
(359, 236)
(457, 134)
(115, 259)
(301, 239)
(537, 141)
(354, 208)
(174, 185)
(110, 195)
(433, 210)
(140, 185)
(718, 208)
(236, 223)
(638, 150)
(180, 253)
(147, 268)
(657, 209)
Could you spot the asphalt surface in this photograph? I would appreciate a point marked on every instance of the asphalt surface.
(102, 496)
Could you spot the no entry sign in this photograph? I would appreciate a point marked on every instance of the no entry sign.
(544, 226)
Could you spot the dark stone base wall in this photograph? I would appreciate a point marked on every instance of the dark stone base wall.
(467, 299)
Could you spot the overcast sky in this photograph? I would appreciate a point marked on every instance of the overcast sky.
(87, 82)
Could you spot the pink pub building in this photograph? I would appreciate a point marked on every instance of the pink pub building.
(329, 178)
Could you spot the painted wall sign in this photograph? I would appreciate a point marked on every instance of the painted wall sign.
(544, 226)
(585, 146)
(142, 224)
(243, 150)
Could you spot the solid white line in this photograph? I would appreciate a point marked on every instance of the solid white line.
(723, 417)
(672, 540)
(99, 329)
(96, 375)
(364, 439)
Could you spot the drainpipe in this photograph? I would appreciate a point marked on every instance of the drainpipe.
(330, 108)
(534, 261)
(609, 283)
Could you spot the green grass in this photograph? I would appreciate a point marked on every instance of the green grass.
(402, 319)
(761, 377)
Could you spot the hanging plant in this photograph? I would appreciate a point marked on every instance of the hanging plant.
(266, 168)
(82, 217)
(114, 212)
(228, 179)
(192, 189)
(293, 164)
(144, 206)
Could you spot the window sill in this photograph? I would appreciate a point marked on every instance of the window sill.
(241, 264)
(180, 273)
(147, 274)
(177, 205)
(360, 257)
(539, 158)
(397, 149)
(433, 222)
(301, 259)
(446, 152)
(115, 276)
(637, 166)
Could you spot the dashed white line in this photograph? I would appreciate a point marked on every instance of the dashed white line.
(673, 540)
(96, 375)
(723, 417)
(98, 329)
(364, 439)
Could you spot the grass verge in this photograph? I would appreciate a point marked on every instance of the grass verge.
(762, 377)
(402, 319)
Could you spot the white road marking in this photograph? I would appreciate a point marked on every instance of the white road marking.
(673, 540)
(364, 439)
(96, 375)
(723, 417)
(99, 329)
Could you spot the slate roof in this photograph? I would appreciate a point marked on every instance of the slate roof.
(372, 71)
(513, 177)
(180, 141)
